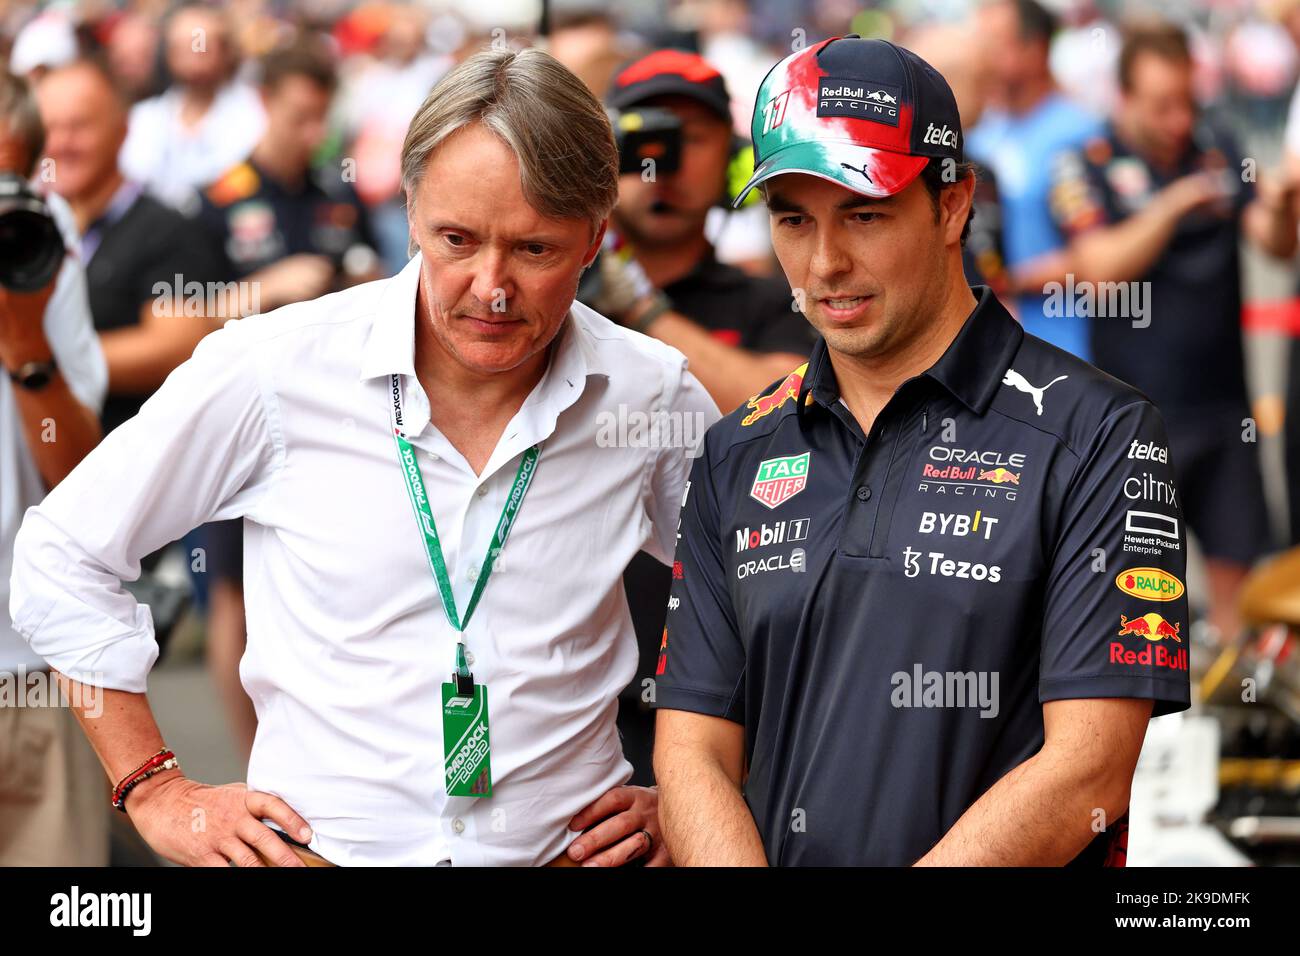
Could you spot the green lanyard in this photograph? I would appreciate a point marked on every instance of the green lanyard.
(429, 530)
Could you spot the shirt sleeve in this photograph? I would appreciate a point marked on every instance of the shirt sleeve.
(701, 657)
(691, 412)
(201, 449)
(1114, 620)
(1077, 204)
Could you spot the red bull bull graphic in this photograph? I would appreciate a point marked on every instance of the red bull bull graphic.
(999, 476)
(1151, 626)
(1155, 629)
(761, 405)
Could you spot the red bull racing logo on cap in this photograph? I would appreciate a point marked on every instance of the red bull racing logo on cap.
(780, 479)
(761, 405)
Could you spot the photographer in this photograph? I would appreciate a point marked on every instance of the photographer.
(51, 791)
(738, 331)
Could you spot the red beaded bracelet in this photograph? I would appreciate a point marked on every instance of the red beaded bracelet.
(162, 760)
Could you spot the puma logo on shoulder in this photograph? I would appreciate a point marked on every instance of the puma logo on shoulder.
(1021, 384)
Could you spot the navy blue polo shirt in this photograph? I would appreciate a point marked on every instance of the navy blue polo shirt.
(886, 614)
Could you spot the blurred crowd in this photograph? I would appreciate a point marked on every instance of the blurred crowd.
(210, 161)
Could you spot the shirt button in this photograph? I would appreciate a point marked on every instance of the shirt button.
(433, 456)
(864, 493)
(458, 825)
(469, 658)
(473, 572)
(482, 490)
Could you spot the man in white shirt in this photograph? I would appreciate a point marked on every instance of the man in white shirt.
(51, 789)
(399, 450)
(206, 122)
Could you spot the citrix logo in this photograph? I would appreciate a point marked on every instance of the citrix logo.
(940, 135)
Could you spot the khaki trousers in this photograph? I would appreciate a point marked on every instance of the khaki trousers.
(54, 796)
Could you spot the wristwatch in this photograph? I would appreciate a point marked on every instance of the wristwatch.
(34, 376)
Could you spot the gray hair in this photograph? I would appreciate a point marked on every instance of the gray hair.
(21, 118)
(568, 163)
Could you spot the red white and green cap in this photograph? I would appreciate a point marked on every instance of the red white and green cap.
(866, 114)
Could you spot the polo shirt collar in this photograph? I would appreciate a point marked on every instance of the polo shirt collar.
(971, 368)
(973, 365)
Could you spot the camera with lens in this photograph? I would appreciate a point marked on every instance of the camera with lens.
(31, 246)
(647, 134)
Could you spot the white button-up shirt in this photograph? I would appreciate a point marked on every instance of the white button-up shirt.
(283, 419)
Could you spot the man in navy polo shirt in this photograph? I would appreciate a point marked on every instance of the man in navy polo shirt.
(928, 587)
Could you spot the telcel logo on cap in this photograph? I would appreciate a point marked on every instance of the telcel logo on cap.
(940, 136)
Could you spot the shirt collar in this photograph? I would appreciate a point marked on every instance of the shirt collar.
(123, 198)
(971, 368)
(390, 346)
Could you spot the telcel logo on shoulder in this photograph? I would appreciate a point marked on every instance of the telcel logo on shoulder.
(940, 135)
(1150, 584)
(1148, 451)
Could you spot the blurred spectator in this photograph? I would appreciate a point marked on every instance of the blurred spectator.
(739, 332)
(948, 49)
(1083, 57)
(1156, 204)
(132, 51)
(378, 103)
(296, 233)
(45, 42)
(134, 248)
(204, 123)
(1029, 122)
(1288, 13)
(53, 809)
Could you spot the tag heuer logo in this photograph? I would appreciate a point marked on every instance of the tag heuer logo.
(780, 479)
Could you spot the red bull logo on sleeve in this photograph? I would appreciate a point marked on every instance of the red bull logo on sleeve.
(761, 405)
(1155, 629)
(1151, 626)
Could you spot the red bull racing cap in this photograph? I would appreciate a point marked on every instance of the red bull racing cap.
(866, 114)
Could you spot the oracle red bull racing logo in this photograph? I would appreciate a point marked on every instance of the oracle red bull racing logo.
(1156, 630)
(761, 405)
(970, 472)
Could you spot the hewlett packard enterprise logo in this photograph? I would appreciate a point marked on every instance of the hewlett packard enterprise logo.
(838, 96)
